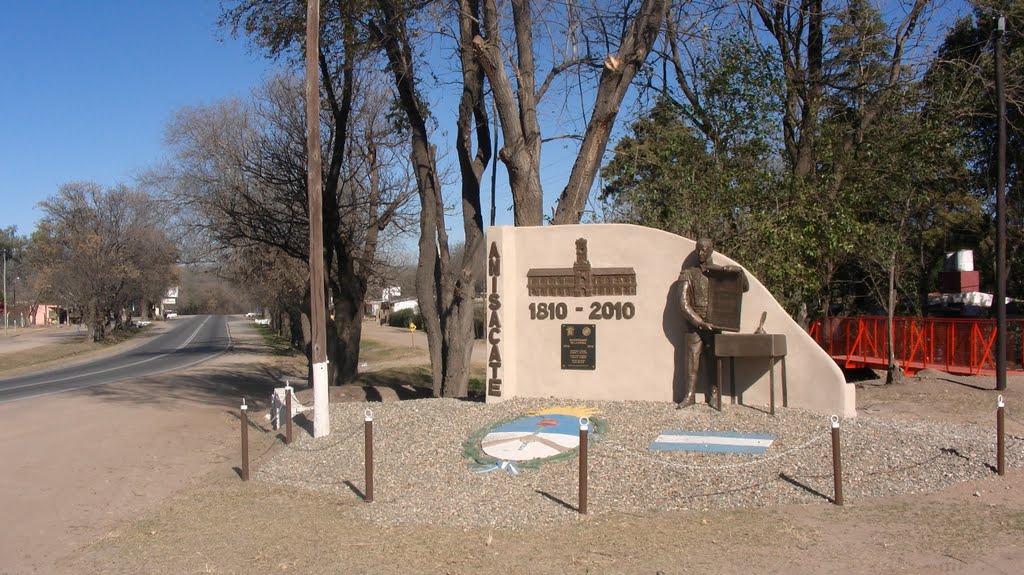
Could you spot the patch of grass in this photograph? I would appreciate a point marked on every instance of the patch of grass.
(278, 345)
(371, 351)
(477, 382)
(370, 346)
(413, 376)
(417, 377)
(43, 355)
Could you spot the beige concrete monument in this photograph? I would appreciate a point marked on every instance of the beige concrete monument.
(592, 312)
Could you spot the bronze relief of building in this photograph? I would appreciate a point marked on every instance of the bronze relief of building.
(581, 280)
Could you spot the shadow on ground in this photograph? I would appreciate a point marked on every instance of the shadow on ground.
(206, 384)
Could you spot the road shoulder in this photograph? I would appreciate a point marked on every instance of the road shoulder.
(81, 462)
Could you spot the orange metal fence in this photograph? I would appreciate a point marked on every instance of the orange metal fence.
(964, 346)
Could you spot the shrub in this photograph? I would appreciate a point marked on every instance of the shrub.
(402, 318)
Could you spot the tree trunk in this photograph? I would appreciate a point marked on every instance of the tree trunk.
(788, 23)
(444, 296)
(307, 334)
(343, 343)
(472, 121)
(516, 109)
(294, 328)
(894, 373)
(348, 292)
(347, 287)
(93, 328)
(616, 78)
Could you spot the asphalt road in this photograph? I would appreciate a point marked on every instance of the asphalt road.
(191, 341)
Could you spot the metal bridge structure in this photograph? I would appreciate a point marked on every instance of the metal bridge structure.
(954, 345)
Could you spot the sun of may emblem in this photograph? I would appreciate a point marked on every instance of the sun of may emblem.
(543, 435)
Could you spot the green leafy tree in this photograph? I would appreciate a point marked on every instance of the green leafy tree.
(239, 180)
(909, 178)
(705, 161)
(962, 78)
(800, 142)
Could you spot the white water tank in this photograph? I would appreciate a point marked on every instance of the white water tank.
(960, 261)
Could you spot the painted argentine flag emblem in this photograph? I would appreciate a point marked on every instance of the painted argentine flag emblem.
(713, 441)
(533, 437)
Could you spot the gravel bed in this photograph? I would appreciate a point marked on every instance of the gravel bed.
(423, 477)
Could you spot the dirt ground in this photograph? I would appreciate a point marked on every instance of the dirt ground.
(23, 338)
(77, 464)
(141, 477)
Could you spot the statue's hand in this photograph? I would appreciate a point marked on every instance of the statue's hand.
(732, 268)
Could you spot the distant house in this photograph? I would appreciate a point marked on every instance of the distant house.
(382, 308)
(405, 304)
(45, 314)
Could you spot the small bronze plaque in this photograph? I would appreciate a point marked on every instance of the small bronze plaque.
(579, 350)
(726, 298)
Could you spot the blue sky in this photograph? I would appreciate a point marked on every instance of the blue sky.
(89, 85)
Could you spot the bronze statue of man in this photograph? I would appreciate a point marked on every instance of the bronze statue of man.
(694, 303)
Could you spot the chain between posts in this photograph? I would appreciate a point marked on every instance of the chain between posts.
(780, 455)
(836, 458)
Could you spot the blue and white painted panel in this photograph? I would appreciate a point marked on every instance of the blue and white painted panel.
(713, 441)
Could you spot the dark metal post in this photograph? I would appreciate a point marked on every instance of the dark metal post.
(1000, 437)
(288, 411)
(1000, 211)
(368, 454)
(837, 462)
(584, 428)
(4, 252)
(244, 418)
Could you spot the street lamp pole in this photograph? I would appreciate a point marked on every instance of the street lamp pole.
(1000, 210)
(5, 291)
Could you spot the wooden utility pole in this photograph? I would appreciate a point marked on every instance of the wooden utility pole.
(1000, 211)
(317, 316)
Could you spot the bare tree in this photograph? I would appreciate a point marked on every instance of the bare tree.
(616, 78)
(624, 33)
(239, 179)
(101, 251)
(517, 106)
(444, 287)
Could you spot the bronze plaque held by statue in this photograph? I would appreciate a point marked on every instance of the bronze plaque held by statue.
(579, 349)
(726, 298)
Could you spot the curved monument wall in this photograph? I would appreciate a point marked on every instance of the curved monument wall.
(599, 320)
